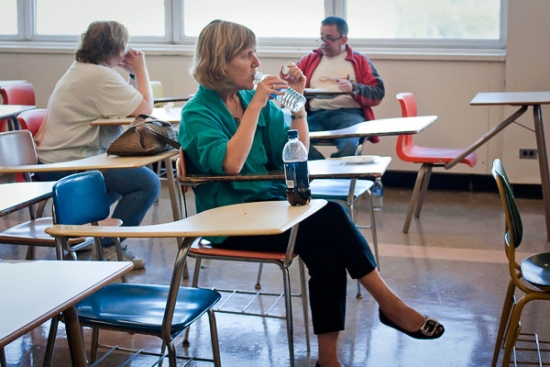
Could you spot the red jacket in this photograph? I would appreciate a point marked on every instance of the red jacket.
(369, 89)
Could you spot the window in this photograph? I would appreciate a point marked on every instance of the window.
(425, 20)
(266, 18)
(391, 23)
(8, 25)
(144, 18)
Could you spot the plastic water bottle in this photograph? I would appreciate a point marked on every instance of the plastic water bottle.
(377, 194)
(296, 172)
(292, 100)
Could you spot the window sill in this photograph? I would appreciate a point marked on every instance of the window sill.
(470, 54)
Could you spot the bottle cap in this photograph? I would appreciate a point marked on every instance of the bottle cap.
(292, 134)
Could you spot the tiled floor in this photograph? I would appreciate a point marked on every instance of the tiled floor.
(450, 266)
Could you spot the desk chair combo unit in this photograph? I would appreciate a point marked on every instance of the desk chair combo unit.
(162, 311)
(167, 311)
(202, 251)
(531, 277)
(427, 157)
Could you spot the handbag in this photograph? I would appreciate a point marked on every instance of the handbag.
(146, 135)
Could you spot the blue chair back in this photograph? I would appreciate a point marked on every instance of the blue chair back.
(80, 198)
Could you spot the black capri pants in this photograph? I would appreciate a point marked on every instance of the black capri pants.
(330, 244)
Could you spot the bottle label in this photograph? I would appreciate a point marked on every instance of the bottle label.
(296, 174)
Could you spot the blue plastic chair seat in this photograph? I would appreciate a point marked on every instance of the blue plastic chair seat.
(338, 189)
(141, 307)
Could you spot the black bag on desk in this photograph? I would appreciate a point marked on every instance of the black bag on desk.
(145, 136)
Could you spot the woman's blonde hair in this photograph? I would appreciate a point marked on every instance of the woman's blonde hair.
(102, 41)
(217, 44)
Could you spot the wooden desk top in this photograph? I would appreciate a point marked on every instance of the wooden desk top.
(9, 110)
(172, 115)
(99, 162)
(378, 127)
(511, 99)
(318, 169)
(249, 219)
(15, 196)
(33, 292)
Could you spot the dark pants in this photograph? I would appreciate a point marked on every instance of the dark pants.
(330, 244)
(332, 120)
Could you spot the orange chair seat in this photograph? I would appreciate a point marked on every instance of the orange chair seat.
(206, 250)
(416, 154)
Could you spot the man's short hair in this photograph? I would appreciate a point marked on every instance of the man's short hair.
(341, 24)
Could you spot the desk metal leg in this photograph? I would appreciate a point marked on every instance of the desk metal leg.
(543, 165)
(171, 180)
(13, 123)
(176, 208)
(74, 338)
(487, 136)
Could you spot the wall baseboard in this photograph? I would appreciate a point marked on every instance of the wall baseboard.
(459, 182)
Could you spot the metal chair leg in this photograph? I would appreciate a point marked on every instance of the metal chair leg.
(414, 197)
(3, 362)
(504, 321)
(48, 353)
(305, 301)
(258, 284)
(288, 311)
(423, 190)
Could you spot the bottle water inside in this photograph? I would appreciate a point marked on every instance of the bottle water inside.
(292, 100)
(377, 194)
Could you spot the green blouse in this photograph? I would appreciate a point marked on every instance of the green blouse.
(205, 128)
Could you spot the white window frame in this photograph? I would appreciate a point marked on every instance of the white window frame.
(175, 34)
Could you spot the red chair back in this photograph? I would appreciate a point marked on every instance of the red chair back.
(32, 119)
(18, 93)
(408, 109)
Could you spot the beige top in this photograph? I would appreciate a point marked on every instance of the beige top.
(85, 93)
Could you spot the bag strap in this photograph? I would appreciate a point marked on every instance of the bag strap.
(142, 117)
(174, 144)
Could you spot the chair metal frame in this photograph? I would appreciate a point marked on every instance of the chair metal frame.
(200, 251)
(531, 277)
(428, 157)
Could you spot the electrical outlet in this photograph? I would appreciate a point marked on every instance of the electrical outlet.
(528, 154)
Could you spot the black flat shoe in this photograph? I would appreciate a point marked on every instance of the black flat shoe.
(431, 329)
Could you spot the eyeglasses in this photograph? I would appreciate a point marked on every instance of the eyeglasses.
(327, 39)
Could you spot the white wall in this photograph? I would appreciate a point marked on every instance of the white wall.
(443, 86)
